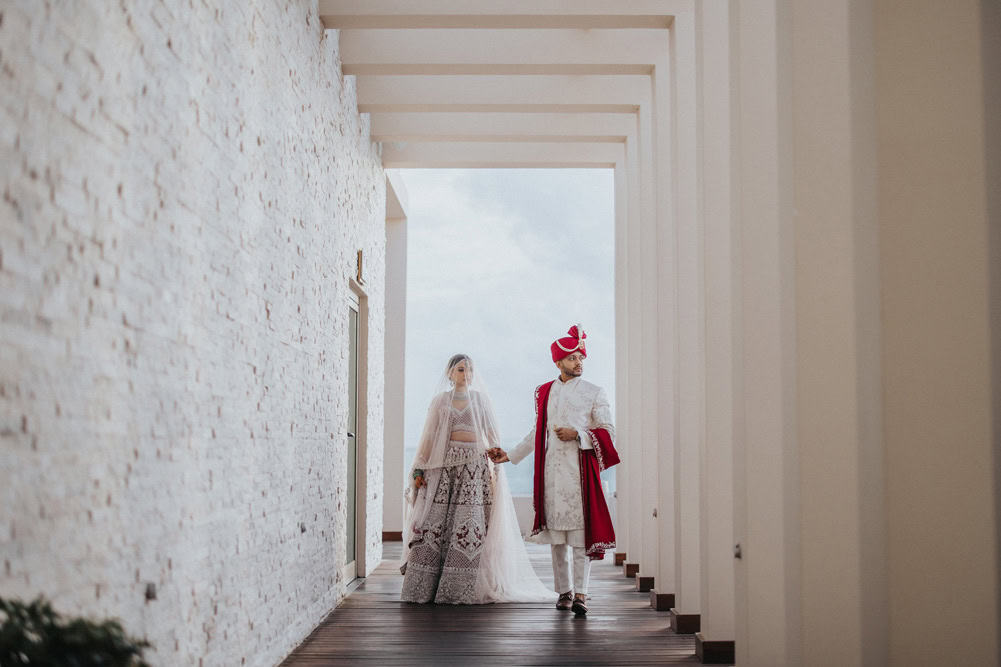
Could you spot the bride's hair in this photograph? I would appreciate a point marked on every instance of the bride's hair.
(456, 358)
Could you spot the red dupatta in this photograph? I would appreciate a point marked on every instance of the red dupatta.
(598, 531)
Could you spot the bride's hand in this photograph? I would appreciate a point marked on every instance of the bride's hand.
(497, 455)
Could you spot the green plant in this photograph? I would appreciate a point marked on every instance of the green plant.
(35, 634)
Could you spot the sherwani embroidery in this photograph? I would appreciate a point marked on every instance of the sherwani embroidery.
(570, 404)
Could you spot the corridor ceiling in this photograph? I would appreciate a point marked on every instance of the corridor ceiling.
(511, 83)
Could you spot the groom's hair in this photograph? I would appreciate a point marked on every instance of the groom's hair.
(454, 361)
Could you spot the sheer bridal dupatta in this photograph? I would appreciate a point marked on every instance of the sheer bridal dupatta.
(505, 573)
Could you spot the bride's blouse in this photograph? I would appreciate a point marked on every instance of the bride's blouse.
(461, 419)
(471, 421)
(461, 430)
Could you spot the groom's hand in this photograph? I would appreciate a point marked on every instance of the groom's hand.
(566, 433)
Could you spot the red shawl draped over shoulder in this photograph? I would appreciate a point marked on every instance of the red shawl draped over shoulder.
(598, 532)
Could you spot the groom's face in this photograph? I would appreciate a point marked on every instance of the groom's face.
(571, 365)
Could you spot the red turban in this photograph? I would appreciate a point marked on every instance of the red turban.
(574, 342)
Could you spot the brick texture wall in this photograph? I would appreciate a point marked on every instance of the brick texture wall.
(185, 186)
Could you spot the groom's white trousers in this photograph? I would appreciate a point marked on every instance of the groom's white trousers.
(562, 572)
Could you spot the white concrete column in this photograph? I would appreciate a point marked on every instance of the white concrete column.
(653, 357)
(935, 185)
(766, 465)
(622, 352)
(633, 510)
(838, 380)
(818, 584)
(395, 350)
(682, 184)
(991, 26)
(662, 303)
(721, 298)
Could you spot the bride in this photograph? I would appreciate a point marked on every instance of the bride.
(461, 542)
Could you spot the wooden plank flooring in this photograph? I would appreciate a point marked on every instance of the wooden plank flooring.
(372, 626)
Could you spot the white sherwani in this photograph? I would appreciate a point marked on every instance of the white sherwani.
(580, 405)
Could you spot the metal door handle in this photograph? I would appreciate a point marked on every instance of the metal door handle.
(350, 434)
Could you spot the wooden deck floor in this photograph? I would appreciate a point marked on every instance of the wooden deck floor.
(372, 626)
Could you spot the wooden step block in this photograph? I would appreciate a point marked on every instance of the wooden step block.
(714, 652)
(661, 601)
(620, 558)
(630, 569)
(644, 584)
(685, 624)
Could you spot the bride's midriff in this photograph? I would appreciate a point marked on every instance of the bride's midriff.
(463, 436)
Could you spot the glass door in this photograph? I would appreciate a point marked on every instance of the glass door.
(350, 541)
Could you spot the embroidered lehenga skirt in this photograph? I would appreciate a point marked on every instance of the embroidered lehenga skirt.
(446, 550)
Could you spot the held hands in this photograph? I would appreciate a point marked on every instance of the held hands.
(419, 481)
(497, 455)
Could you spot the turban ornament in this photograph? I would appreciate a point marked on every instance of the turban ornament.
(573, 342)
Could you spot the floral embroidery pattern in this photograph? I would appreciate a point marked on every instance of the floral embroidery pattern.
(445, 553)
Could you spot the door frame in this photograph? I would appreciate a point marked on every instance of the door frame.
(358, 300)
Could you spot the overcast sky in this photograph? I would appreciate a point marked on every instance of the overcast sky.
(500, 263)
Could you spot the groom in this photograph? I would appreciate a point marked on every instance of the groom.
(573, 443)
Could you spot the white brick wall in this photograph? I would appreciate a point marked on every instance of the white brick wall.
(184, 192)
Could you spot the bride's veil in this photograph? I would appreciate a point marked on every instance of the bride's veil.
(506, 574)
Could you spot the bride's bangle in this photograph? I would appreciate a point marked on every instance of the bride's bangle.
(418, 473)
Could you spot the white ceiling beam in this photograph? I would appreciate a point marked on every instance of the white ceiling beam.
(496, 68)
(502, 138)
(581, 14)
(525, 93)
(501, 155)
(587, 127)
(503, 51)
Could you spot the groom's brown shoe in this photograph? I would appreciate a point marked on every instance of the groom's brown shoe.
(565, 601)
(579, 606)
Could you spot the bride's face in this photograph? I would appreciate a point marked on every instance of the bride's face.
(462, 373)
